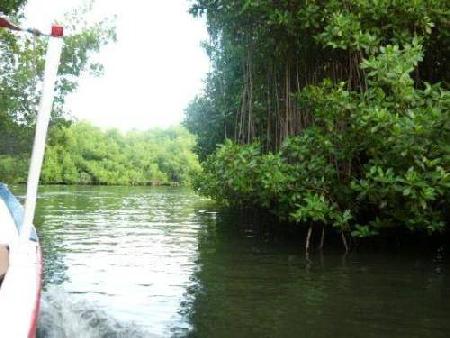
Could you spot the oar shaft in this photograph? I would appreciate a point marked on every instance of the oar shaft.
(43, 118)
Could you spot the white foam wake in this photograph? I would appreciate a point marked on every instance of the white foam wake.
(61, 317)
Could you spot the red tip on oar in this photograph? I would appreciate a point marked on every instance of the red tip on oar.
(57, 31)
(4, 23)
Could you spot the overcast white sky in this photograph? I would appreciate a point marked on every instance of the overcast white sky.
(156, 67)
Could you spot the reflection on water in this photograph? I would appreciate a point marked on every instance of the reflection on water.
(128, 252)
(145, 262)
(257, 287)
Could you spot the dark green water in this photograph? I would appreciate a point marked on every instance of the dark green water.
(146, 262)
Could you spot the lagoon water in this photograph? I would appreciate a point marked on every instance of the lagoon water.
(162, 262)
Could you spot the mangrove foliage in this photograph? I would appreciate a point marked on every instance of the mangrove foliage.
(330, 114)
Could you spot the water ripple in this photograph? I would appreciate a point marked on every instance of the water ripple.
(130, 252)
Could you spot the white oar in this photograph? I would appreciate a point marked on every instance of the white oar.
(52, 60)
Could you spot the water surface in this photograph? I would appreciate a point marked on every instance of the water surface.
(161, 262)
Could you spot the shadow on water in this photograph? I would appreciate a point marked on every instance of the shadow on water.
(252, 285)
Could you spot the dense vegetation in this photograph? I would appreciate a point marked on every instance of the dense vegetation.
(77, 152)
(82, 154)
(21, 75)
(332, 114)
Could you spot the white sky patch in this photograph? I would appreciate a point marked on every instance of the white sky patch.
(156, 67)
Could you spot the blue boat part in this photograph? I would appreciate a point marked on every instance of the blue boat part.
(15, 209)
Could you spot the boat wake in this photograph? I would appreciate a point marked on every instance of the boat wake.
(61, 317)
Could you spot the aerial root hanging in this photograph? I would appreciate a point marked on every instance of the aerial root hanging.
(344, 241)
(308, 239)
(322, 238)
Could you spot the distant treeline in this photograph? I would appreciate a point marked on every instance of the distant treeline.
(80, 153)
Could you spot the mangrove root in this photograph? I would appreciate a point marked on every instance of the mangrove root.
(322, 238)
(344, 241)
(308, 239)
